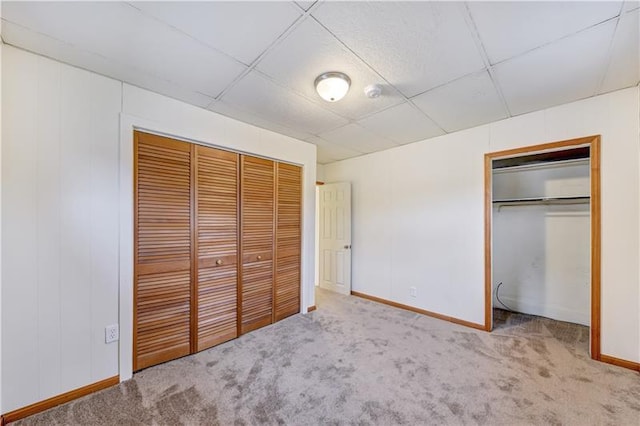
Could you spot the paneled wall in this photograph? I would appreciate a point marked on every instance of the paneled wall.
(418, 220)
(1, 314)
(60, 227)
(67, 203)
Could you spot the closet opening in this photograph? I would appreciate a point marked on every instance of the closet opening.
(542, 240)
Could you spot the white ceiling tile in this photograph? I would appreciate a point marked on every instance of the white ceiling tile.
(238, 114)
(305, 5)
(630, 5)
(414, 45)
(311, 50)
(331, 150)
(402, 124)
(467, 102)
(564, 71)
(357, 138)
(257, 95)
(240, 29)
(508, 28)
(52, 48)
(123, 34)
(624, 68)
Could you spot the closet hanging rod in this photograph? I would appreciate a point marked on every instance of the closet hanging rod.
(543, 201)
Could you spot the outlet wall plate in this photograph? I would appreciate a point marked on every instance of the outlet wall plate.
(111, 333)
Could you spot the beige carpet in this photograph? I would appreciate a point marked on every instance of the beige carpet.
(358, 362)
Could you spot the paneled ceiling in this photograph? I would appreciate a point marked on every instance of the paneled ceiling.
(444, 66)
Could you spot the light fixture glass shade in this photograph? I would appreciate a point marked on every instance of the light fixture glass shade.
(332, 86)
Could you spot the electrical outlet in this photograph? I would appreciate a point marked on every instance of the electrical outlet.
(413, 292)
(111, 333)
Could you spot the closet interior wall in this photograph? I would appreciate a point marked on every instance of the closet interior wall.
(217, 241)
(541, 239)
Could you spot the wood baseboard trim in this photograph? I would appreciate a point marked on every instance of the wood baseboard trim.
(311, 308)
(38, 407)
(420, 311)
(620, 362)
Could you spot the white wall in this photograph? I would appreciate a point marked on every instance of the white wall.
(67, 217)
(1, 50)
(60, 227)
(418, 220)
(541, 253)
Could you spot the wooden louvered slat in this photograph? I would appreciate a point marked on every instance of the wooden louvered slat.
(257, 205)
(217, 241)
(288, 241)
(162, 250)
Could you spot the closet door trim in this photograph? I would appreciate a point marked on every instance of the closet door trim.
(593, 142)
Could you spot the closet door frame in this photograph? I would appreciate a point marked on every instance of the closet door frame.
(593, 142)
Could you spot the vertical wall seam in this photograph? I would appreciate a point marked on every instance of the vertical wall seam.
(119, 225)
(59, 207)
(37, 224)
(59, 186)
(92, 182)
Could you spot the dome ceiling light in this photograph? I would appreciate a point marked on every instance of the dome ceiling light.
(332, 86)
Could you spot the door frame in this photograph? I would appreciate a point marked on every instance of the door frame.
(593, 142)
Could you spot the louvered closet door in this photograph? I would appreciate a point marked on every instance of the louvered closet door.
(257, 204)
(217, 246)
(288, 240)
(162, 250)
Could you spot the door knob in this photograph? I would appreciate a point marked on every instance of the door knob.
(219, 262)
(348, 246)
(259, 257)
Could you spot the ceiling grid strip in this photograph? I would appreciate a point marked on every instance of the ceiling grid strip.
(605, 70)
(256, 61)
(485, 58)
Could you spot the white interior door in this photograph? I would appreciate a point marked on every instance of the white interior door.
(335, 237)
